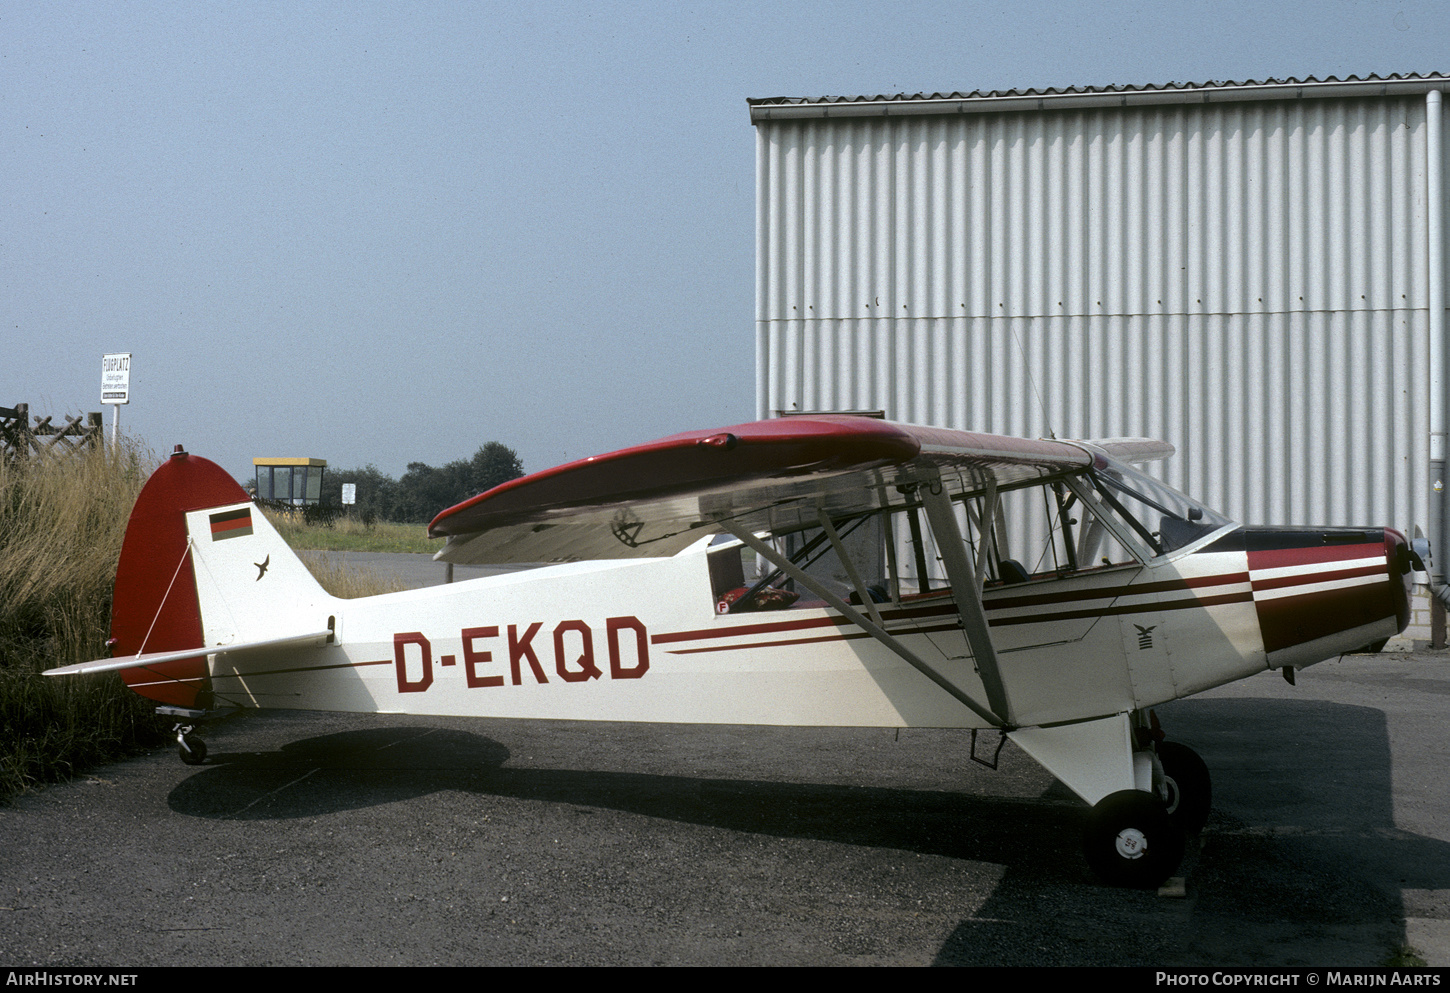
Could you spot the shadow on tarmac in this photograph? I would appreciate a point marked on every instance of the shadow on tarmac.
(1301, 862)
(385, 765)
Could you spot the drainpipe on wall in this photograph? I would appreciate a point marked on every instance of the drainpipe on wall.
(1435, 214)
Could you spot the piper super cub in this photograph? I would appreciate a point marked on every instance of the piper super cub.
(820, 570)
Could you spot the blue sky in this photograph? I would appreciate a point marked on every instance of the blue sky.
(385, 233)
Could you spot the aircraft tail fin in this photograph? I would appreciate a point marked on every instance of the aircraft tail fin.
(250, 584)
(201, 567)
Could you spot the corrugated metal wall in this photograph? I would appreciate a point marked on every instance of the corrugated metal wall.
(1245, 280)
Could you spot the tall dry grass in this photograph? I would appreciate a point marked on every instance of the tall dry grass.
(62, 520)
(347, 581)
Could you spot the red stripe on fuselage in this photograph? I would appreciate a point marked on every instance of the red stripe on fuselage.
(795, 625)
(1105, 611)
(994, 604)
(1285, 621)
(1290, 621)
(1310, 578)
(843, 636)
(1113, 592)
(1132, 608)
(1274, 558)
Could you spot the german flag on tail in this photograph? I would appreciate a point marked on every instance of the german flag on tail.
(231, 524)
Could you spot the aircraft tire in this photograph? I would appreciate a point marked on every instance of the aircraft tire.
(1190, 790)
(1131, 841)
(193, 752)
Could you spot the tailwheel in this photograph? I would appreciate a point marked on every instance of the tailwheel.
(1190, 790)
(191, 748)
(1131, 841)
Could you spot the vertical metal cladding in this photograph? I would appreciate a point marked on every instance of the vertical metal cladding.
(1246, 280)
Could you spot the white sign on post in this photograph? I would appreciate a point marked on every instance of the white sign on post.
(349, 493)
(116, 378)
(116, 387)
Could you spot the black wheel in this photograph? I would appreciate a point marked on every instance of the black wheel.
(193, 750)
(1131, 841)
(1190, 790)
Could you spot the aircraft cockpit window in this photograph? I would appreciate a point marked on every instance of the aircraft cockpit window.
(1108, 517)
(813, 551)
(1047, 530)
(1090, 542)
(1142, 501)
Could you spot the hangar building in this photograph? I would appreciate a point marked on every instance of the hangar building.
(1253, 271)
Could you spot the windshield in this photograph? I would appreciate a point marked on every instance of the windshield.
(1163, 517)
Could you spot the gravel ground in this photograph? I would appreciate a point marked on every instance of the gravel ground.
(326, 839)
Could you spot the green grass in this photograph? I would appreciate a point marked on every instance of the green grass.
(351, 535)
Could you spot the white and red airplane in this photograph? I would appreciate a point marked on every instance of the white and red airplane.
(817, 571)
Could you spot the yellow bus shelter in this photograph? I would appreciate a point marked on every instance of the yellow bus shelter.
(290, 480)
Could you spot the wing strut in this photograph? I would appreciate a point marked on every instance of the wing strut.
(785, 565)
(850, 564)
(985, 520)
(966, 592)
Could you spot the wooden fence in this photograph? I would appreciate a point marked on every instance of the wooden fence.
(18, 437)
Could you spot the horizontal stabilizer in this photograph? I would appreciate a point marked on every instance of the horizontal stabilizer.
(156, 658)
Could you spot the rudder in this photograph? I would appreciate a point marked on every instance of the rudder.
(202, 567)
(155, 607)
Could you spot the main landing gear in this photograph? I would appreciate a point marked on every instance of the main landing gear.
(1137, 838)
(1190, 791)
(1131, 841)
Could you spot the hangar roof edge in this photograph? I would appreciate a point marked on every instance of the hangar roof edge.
(1082, 97)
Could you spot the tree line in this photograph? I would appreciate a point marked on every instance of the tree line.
(423, 490)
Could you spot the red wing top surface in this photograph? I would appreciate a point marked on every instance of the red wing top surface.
(658, 498)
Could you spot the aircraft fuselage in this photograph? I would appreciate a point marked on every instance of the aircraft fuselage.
(643, 641)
